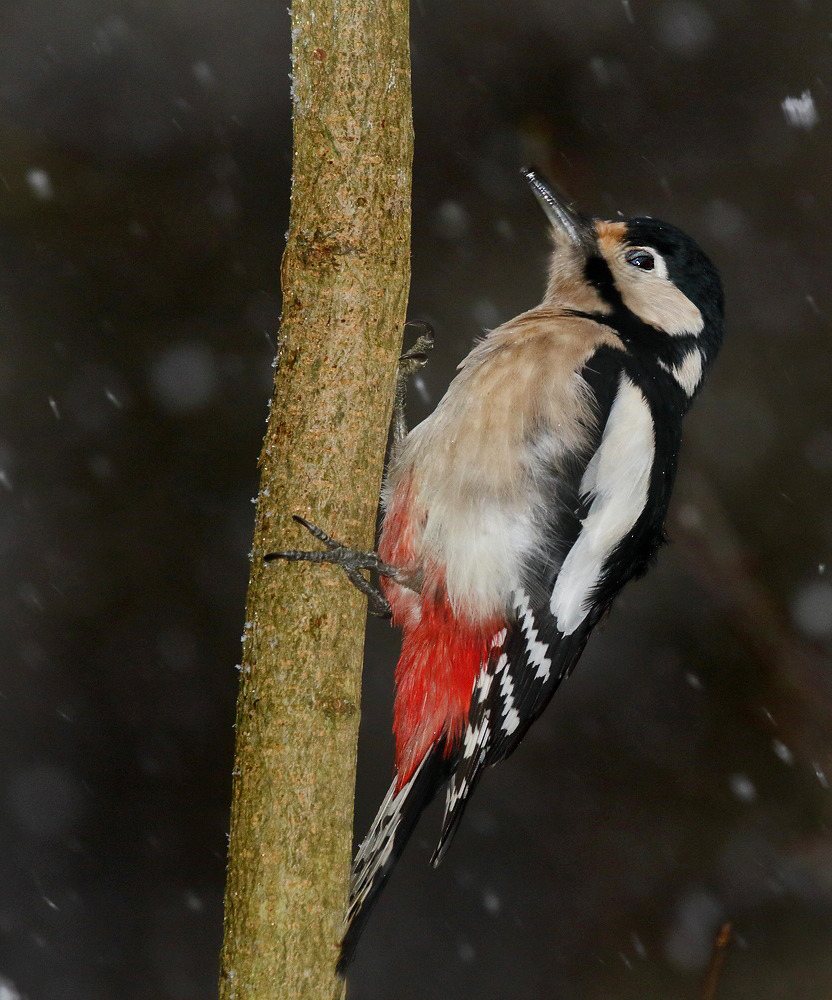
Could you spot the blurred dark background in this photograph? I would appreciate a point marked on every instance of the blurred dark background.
(681, 778)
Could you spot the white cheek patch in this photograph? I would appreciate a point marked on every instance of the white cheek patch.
(618, 478)
(652, 296)
(688, 373)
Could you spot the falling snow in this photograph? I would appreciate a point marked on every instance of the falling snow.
(685, 28)
(421, 388)
(743, 788)
(184, 377)
(689, 940)
(451, 220)
(40, 184)
(467, 953)
(811, 609)
(801, 111)
(203, 74)
(486, 314)
(8, 991)
(491, 902)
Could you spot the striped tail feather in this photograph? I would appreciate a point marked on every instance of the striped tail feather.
(472, 753)
(383, 846)
(513, 687)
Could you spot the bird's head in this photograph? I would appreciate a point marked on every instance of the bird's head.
(647, 278)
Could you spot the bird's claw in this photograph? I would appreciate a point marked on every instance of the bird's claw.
(416, 357)
(351, 560)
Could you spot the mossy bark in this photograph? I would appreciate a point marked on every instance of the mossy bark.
(345, 277)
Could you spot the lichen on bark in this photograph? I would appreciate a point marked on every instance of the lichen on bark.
(345, 277)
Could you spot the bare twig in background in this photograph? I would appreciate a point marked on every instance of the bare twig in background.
(797, 674)
(345, 278)
(716, 966)
(796, 699)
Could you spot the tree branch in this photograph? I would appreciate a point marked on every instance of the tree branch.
(716, 966)
(345, 277)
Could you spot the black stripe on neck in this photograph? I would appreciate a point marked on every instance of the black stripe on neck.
(637, 336)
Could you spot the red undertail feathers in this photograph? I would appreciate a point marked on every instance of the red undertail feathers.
(442, 651)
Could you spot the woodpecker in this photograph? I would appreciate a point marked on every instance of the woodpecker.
(516, 512)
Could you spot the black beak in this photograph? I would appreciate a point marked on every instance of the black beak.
(560, 212)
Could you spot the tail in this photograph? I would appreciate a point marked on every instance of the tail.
(384, 844)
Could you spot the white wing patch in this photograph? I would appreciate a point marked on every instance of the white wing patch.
(475, 738)
(511, 720)
(688, 373)
(618, 479)
(536, 651)
(475, 742)
(482, 685)
(498, 639)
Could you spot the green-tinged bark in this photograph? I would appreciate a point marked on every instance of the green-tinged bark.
(345, 277)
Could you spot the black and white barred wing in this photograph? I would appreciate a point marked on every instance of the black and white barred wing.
(512, 689)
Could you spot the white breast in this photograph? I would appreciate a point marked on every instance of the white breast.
(482, 541)
(518, 405)
(484, 501)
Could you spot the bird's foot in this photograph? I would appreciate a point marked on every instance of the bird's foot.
(410, 362)
(416, 357)
(352, 561)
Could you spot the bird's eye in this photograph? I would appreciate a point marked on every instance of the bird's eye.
(641, 258)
